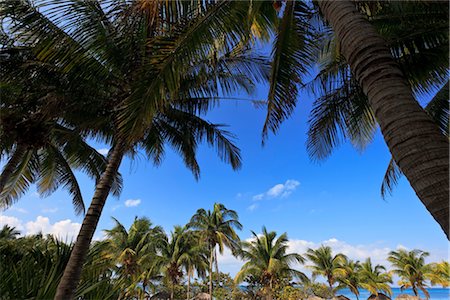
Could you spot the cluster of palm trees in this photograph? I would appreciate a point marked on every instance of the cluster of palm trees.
(140, 74)
(144, 261)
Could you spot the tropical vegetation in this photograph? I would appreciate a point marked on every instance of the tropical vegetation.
(144, 261)
(140, 75)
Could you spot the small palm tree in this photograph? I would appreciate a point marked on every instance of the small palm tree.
(267, 260)
(179, 252)
(326, 265)
(350, 277)
(439, 274)
(132, 251)
(375, 278)
(411, 268)
(216, 228)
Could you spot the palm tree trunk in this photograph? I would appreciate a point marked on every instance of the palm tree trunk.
(189, 283)
(418, 147)
(210, 272)
(72, 272)
(217, 263)
(11, 165)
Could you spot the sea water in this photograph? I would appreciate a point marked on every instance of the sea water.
(435, 293)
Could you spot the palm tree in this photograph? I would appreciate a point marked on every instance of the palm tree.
(178, 252)
(375, 278)
(195, 259)
(417, 145)
(267, 260)
(326, 265)
(8, 233)
(405, 130)
(37, 146)
(217, 229)
(350, 277)
(133, 251)
(437, 109)
(342, 110)
(154, 65)
(411, 268)
(440, 274)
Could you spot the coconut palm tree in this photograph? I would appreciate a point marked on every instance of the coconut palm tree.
(180, 252)
(342, 110)
(195, 259)
(217, 229)
(350, 277)
(440, 274)
(267, 260)
(415, 142)
(437, 109)
(375, 278)
(152, 62)
(411, 268)
(133, 251)
(37, 146)
(383, 82)
(326, 264)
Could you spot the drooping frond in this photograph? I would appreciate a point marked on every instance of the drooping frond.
(291, 56)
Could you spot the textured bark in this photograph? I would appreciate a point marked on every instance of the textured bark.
(418, 147)
(189, 284)
(72, 272)
(210, 271)
(11, 165)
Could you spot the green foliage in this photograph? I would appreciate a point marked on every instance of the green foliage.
(266, 261)
(291, 293)
(224, 286)
(411, 268)
(326, 264)
(31, 267)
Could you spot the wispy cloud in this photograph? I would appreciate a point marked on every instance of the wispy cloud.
(132, 202)
(18, 209)
(50, 210)
(280, 190)
(253, 207)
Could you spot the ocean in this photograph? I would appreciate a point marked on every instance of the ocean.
(435, 293)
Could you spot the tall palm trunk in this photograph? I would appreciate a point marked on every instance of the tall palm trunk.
(11, 165)
(189, 283)
(72, 272)
(211, 258)
(418, 147)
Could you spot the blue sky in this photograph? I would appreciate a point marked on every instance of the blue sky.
(335, 202)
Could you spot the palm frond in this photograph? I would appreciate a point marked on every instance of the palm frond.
(291, 58)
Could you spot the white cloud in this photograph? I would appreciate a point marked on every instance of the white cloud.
(103, 151)
(280, 190)
(252, 207)
(50, 210)
(11, 221)
(65, 230)
(132, 202)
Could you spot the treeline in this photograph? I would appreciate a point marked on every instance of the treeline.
(143, 262)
